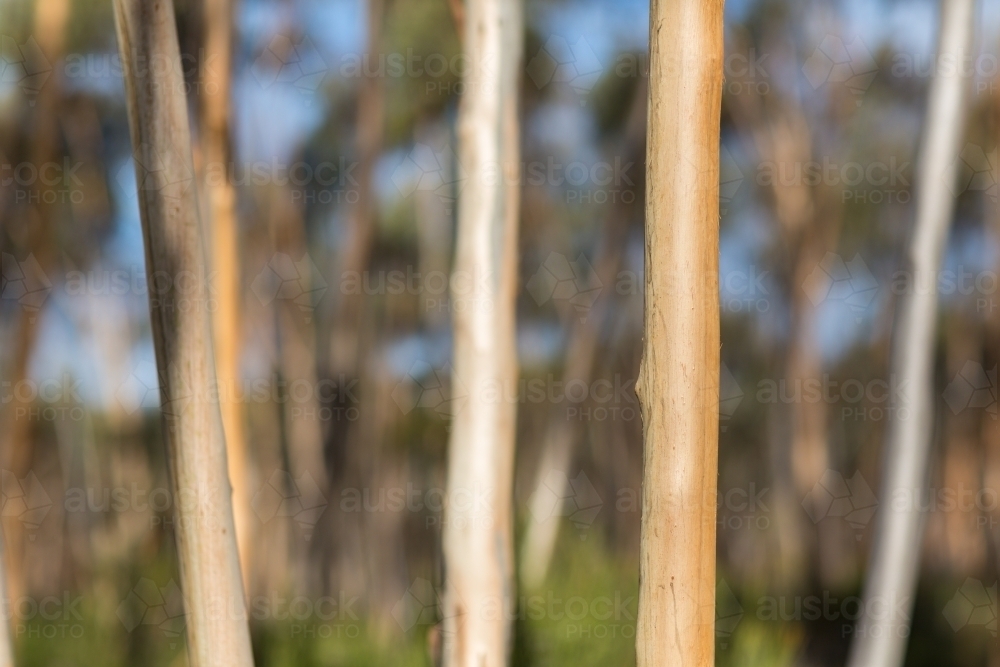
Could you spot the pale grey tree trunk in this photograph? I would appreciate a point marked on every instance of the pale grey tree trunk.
(478, 549)
(882, 632)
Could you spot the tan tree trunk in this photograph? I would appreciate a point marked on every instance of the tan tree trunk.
(217, 630)
(478, 524)
(678, 384)
(221, 195)
(880, 640)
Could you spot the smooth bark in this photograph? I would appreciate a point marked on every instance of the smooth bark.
(478, 523)
(678, 384)
(880, 640)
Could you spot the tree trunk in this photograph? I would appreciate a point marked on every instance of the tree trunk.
(349, 346)
(678, 384)
(880, 640)
(356, 246)
(221, 194)
(478, 525)
(218, 635)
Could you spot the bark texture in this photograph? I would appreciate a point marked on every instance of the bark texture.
(678, 382)
(217, 631)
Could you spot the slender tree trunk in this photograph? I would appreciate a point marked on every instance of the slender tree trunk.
(215, 140)
(218, 635)
(360, 234)
(349, 346)
(295, 347)
(678, 382)
(478, 541)
(892, 571)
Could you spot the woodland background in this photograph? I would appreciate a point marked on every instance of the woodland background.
(344, 111)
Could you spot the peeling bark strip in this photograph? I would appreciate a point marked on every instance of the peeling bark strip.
(217, 630)
(892, 571)
(478, 547)
(678, 382)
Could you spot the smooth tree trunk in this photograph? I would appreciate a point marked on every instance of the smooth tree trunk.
(478, 549)
(678, 383)
(216, 621)
(216, 148)
(880, 639)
